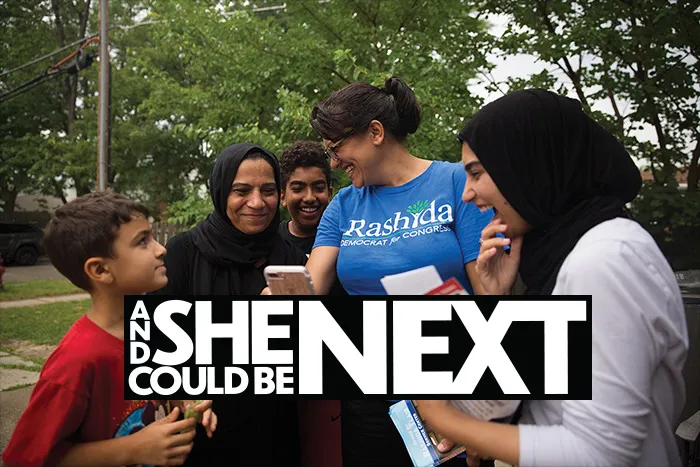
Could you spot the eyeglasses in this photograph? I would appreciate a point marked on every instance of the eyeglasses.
(330, 150)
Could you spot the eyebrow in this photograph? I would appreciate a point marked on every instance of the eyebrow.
(302, 184)
(249, 186)
(472, 165)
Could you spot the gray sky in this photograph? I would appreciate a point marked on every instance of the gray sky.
(523, 65)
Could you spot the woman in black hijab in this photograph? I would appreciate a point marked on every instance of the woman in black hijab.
(558, 183)
(558, 169)
(225, 255)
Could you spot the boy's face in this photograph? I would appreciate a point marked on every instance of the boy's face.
(137, 266)
(306, 196)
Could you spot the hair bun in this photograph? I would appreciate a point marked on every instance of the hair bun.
(406, 105)
(391, 86)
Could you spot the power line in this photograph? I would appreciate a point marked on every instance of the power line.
(27, 85)
(37, 60)
(128, 27)
(81, 61)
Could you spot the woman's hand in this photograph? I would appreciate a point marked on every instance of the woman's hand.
(429, 407)
(432, 409)
(498, 270)
(473, 458)
(266, 291)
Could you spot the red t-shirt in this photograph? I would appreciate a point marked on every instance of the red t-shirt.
(79, 398)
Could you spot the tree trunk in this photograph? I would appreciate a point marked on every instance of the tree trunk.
(668, 170)
(667, 167)
(567, 68)
(70, 90)
(82, 187)
(619, 119)
(70, 85)
(9, 197)
(58, 192)
(694, 168)
(60, 33)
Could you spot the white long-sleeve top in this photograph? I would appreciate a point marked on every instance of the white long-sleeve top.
(640, 341)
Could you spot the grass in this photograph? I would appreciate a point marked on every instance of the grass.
(37, 361)
(40, 324)
(17, 386)
(20, 367)
(39, 288)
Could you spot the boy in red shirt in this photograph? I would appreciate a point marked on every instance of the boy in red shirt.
(77, 415)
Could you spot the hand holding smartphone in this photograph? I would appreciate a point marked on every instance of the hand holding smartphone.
(289, 280)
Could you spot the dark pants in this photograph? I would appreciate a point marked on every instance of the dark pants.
(250, 432)
(370, 439)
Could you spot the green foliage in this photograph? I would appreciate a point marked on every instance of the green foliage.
(205, 75)
(641, 57)
(672, 217)
(191, 209)
(255, 77)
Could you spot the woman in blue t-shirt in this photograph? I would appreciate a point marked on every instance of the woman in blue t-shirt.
(401, 213)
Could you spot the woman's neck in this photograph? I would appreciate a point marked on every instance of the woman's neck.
(398, 167)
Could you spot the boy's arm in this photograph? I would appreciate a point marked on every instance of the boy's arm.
(160, 443)
(111, 452)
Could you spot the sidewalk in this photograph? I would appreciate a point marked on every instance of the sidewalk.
(13, 402)
(44, 300)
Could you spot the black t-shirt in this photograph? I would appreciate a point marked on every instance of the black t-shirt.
(306, 244)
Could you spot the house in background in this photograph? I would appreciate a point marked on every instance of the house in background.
(681, 178)
(36, 208)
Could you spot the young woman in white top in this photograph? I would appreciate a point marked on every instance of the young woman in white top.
(558, 183)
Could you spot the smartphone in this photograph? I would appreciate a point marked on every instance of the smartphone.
(289, 280)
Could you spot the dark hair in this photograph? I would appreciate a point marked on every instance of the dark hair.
(255, 156)
(85, 228)
(350, 110)
(304, 154)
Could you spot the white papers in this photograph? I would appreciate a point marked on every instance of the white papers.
(415, 282)
(486, 410)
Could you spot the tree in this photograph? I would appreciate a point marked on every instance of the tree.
(246, 75)
(640, 52)
(643, 52)
(49, 134)
(38, 126)
(202, 76)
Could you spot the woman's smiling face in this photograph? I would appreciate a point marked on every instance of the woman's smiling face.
(483, 192)
(252, 202)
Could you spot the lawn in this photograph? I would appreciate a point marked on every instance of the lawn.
(40, 324)
(40, 288)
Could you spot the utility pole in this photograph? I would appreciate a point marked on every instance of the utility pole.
(103, 105)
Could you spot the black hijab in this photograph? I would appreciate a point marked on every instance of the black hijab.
(560, 170)
(226, 263)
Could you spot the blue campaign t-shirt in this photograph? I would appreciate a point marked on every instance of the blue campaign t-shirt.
(389, 230)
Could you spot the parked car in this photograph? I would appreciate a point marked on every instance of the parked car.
(20, 243)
